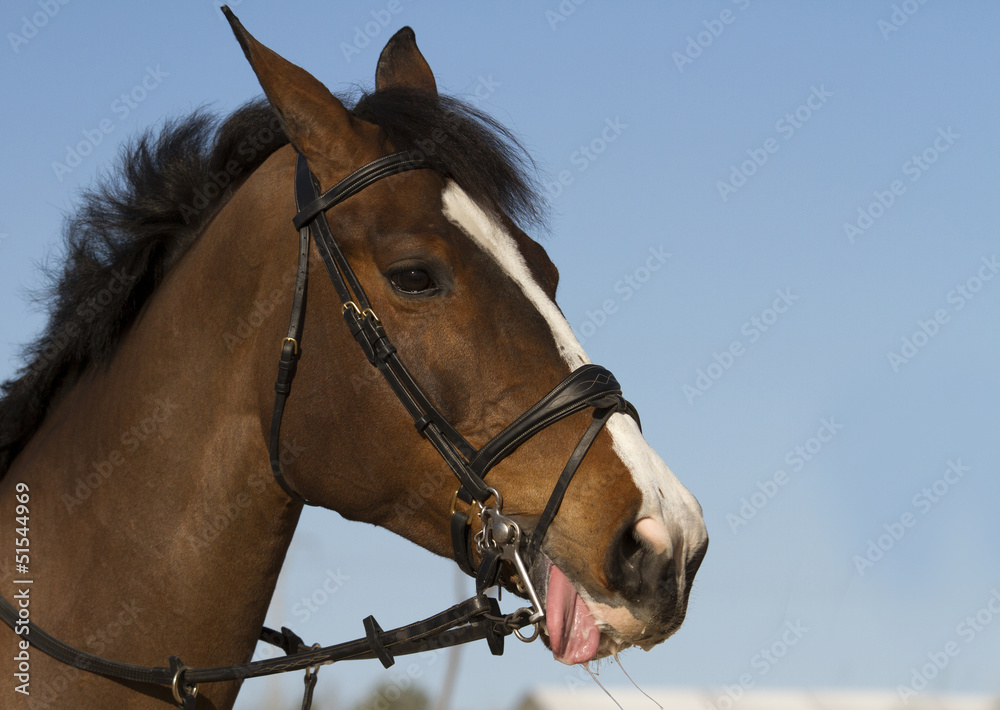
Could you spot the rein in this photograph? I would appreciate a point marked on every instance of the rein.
(500, 539)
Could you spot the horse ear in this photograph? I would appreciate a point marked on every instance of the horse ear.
(309, 114)
(402, 65)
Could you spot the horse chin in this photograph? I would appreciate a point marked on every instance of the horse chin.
(578, 629)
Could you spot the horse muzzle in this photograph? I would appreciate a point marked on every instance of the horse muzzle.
(643, 604)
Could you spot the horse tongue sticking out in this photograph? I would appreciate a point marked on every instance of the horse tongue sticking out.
(572, 633)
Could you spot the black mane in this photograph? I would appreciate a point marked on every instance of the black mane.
(139, 220)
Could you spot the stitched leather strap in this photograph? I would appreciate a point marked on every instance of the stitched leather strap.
(291, 349)
(471, 620)
(587, 386)
(601, 417)
(356, 182)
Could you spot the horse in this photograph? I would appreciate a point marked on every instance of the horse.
(149, 403)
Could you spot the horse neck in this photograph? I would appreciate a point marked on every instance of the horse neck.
(150, 480)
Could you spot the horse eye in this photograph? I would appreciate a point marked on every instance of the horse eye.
(412, 280)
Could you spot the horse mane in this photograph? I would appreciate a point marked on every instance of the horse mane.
(142, 217)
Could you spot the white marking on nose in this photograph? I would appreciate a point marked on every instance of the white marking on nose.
(655, 533)
(664, 499)
(666, 503)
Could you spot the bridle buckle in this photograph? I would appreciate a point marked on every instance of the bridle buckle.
(472, 506)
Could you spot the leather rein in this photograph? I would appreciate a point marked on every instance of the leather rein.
(499, 539)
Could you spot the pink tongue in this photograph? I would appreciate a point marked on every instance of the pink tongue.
(572, 633)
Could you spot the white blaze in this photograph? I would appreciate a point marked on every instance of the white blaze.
(665, 500)
(461, 211)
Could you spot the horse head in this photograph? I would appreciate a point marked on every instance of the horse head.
(469, 301)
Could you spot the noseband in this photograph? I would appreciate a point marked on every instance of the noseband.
(590, 386)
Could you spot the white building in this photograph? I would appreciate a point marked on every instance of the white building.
(562, 698)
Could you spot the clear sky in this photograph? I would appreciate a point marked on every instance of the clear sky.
(773, 223)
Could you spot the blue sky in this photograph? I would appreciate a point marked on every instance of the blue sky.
(772, 223)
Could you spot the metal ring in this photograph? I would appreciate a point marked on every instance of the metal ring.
(496, 496)
(177, 685)
(529, 639)
(313, 670)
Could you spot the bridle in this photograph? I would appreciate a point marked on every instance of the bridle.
(588, 386)
(499, 539)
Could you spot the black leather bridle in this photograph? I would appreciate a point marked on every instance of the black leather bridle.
(499, 539)
(590, 386)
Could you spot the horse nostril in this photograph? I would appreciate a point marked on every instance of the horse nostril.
(641, 565)
(631, 548)
(625, 564)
